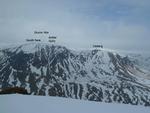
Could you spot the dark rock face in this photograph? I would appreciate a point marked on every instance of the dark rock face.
(57, 71)
(13, 90)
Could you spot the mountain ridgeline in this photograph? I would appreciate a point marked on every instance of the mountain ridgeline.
(95, 75)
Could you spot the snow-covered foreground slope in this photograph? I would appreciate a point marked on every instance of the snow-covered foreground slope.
(40, 104)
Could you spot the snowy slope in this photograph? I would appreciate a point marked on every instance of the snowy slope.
(141, 60)
(38, 104)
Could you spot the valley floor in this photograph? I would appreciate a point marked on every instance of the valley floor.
(41, 104)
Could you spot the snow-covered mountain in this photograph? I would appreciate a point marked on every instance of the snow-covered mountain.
(95, 75)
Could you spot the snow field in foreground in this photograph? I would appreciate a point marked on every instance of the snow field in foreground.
(44, 104)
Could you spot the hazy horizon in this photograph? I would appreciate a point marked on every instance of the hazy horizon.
(117, 24)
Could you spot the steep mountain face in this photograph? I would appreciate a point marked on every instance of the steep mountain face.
(95, 75)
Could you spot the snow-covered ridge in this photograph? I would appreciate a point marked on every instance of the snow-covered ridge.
(28, 47)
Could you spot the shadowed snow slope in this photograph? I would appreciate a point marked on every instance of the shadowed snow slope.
(38, 104)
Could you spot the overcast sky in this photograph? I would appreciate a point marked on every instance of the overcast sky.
(117, 24)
